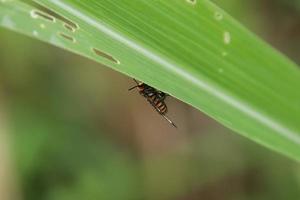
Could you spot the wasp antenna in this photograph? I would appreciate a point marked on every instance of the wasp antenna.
(136, 81)
(170, 121)
(133, 87)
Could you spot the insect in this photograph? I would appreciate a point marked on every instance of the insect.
(155, 97)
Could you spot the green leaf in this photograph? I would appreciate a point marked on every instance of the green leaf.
(190, 49)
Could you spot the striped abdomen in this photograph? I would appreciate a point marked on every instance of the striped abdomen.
(154, 97)
(158, 104)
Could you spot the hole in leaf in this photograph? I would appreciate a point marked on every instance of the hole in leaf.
(70, 38)
(37, 13)
(47, 12)
(105, 55)
(192, 1)
(70, 28)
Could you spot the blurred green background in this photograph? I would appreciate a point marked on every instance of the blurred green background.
(69, 128)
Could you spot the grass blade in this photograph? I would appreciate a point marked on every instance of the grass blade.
(190, 49)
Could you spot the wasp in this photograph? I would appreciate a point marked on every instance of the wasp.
(155, 97)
